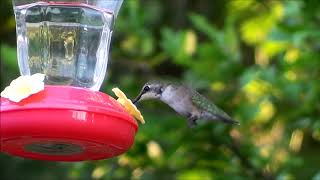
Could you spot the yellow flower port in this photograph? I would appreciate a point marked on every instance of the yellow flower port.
(128, 105)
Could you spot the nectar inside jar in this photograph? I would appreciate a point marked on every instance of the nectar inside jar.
(68, 42)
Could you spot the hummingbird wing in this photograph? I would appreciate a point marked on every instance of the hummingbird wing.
(210, 108)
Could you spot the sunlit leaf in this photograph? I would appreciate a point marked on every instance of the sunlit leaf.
(195, 174)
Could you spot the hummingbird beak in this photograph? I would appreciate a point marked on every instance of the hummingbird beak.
(138, 98)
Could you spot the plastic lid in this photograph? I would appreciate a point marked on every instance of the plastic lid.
(64, 123)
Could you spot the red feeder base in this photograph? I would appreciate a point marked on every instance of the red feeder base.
(65, 123)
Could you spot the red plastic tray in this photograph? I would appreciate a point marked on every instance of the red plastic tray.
(64, 123)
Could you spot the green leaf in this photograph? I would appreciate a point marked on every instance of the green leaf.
(9, 56)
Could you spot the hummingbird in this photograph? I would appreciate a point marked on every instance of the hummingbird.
(185, 101)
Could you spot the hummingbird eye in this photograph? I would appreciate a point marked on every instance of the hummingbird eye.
(146, 88)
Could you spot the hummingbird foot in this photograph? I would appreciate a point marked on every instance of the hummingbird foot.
(192, 120)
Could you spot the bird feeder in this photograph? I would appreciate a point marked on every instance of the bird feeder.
(70, 120)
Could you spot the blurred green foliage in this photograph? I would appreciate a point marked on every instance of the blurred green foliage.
(257, 59)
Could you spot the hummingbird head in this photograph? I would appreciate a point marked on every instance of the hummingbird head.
(151, 90)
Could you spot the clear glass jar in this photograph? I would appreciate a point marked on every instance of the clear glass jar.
(67, 40)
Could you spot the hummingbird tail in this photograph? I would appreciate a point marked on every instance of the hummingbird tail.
(228, 120)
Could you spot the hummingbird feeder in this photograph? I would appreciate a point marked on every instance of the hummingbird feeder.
(70, 120)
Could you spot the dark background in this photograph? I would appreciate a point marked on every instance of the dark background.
(257, 59)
